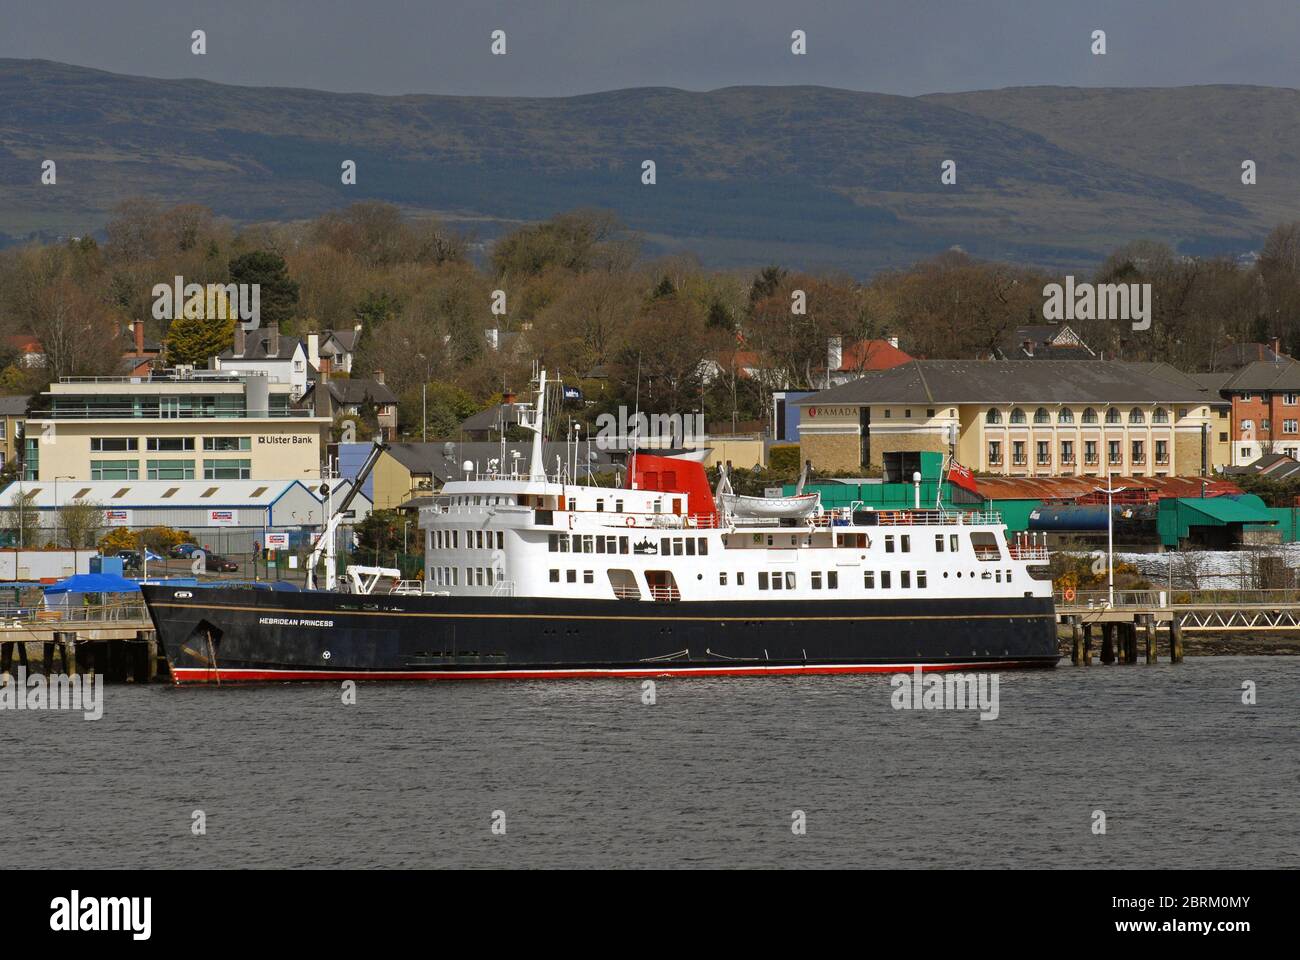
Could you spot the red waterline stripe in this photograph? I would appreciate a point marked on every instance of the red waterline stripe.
(249, 675)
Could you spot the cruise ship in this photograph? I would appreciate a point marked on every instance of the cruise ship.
(532, 575)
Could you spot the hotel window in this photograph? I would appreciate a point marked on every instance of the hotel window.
(995, 452)
(1090, 451)
(1113, 415)
(907, 414)
(884, 579)
(1066, 415)
(1044, 451)
(1288, 426)
(993, 416)
(1139, 451)
(887, 413)
(227, 469)
(920, 579)
(113, 444)
(114, 469)
(1289, 399)
(1136, 416)
(226, 444)
(1114, 451)
(1247, 453)
(1018, 453)
(1089, 415)
(1067, 451)
(869, 579)
(1160, 415)
(816, 578)
(1042, 416)
(905, 579)
(832, 580)
(1017, 415)
(169, 444)
(1162, 451)
(170, 469)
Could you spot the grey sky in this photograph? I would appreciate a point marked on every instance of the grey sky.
(559, 47)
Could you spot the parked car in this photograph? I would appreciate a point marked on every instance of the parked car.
(183, 551)
(130, 559)
(216, 563)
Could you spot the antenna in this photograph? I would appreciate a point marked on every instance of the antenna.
(636, 424)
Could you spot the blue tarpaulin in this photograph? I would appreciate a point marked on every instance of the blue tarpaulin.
(94, 583)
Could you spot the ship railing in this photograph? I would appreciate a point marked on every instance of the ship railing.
(627, 592)
(944, 518)
(664, 593)
(409, 588)
(1023, 551)
(503, 588)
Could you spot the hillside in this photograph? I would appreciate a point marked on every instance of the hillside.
(808, 176)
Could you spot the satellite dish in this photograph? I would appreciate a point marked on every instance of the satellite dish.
(468, 466)
(324, 489)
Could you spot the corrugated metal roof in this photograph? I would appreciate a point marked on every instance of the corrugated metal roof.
(152, 493)
(1057, 488)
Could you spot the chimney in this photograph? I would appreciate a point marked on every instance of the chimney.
(241, 339)
(138, 329)
(1277, 348)
(834, 353)
(273, 339)
(313, 349)
(379, 376)
(508, 397)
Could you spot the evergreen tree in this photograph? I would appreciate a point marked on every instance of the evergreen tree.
(278, 294)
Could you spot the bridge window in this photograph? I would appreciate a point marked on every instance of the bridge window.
(889, 543)
(722, 579)
(938, 543)
(906, 542)
(571, 576)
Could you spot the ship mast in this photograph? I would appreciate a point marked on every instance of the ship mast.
(535, 422)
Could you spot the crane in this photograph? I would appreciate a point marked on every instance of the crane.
(325, 545)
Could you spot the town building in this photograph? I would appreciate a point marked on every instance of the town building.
(1265, 398)
(1043, 341)
(1237, 355)
(264, 351)
(181, 424)
(364, 399)
(13, 417)
(1021, 418)
(333, 351)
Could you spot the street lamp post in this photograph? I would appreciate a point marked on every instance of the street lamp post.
(1110, 490)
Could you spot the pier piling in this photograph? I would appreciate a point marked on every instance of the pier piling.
(1151, 638)
(1108, 643)
(1076, 645)
(1087, 644)
(1175, 641)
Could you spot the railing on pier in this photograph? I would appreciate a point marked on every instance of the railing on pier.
(89, 613)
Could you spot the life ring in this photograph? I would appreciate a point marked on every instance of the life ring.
(1068, 594)
(631, 521)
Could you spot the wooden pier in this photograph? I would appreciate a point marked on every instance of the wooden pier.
(116, 641)
(1130, 624)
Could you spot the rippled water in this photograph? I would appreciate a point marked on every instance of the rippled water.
(588, 775)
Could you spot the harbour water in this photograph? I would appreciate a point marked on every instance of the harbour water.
(585, 774)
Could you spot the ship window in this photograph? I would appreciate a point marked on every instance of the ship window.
(1008, 576)
(816, 580)
(938, 543)
(571, 576)
(704, 546)
(573, 504)
(469, 576)
(869, 579)
(722, 579)
(740, 579)
(997, 575)
(618, 506)
(769, 540)
(665, 547)
(884, 579)
(501, 540)
(478, 539)
(832, 580)
(588, 577)
(622, 544)
(762, 581)
(905, 578)
(600, 506)
(906, 542)
(889, 543)
(776, 581)
(953, 542)
(986, 545)
(478, 576)
(600, 544)
(920, 579)
(690, 546)
(489, 576)
(789, 580)
(555, 576)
